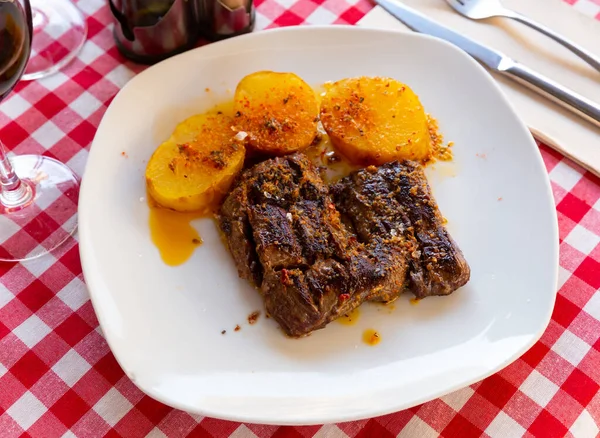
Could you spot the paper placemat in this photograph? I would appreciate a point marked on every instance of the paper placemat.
(551, 124)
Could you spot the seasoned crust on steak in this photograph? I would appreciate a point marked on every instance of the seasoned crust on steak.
(286, 236)
(312, 264)
(395, 198)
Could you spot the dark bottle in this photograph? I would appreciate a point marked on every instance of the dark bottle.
(14, 45)
(148, 31)
(221, 19)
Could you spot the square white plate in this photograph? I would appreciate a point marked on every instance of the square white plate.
(164, 324)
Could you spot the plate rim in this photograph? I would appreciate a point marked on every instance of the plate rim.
(87, 257)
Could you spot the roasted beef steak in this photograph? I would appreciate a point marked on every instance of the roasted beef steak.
(286, 235)
(396, 199)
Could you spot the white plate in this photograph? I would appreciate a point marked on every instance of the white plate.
(164, 324)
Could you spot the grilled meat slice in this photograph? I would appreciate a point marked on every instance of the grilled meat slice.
(441, 267)
(395, 199)
(235, 225)
(285, 235)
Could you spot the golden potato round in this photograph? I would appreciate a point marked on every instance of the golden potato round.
(195, 168)
(375, 120)
(278, 111)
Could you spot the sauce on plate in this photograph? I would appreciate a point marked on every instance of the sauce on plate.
(371, 337)
(350, 318)
(173, 234)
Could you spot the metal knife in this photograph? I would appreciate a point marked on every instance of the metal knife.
(497, 61)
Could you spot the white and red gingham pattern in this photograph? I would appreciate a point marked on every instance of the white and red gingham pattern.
(58, 377)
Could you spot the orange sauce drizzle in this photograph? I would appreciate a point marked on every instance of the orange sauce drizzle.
(350, 318)
(173, 234)
(371, 337)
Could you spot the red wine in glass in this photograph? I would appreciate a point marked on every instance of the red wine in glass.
(14, 45)
(38, 194)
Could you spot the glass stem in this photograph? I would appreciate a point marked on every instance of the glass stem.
(12, 191)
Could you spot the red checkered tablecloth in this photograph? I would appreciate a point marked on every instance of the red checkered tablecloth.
(59, 378)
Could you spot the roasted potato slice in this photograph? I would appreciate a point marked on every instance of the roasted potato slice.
(194, 168)
(375, 120)
(278, 111)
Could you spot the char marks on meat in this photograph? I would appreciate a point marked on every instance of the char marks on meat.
(395, 198)
(286, 235)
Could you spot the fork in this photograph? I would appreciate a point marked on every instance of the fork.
(480, 9)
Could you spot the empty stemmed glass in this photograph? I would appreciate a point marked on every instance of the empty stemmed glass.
(38, 195)
(59, 32)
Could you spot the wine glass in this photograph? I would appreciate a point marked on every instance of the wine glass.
(38, 195)
(59, 31)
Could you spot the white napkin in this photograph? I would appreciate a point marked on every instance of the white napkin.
(551, 124)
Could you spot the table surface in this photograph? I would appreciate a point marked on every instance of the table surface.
(59, 378)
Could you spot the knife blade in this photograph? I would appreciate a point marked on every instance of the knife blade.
(497, 61)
